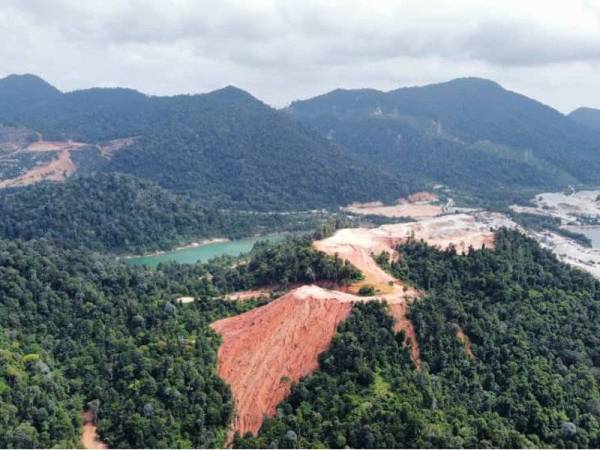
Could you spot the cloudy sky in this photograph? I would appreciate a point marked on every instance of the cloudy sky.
(285, 50)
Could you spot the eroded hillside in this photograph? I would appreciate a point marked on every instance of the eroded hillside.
(26, 158)
(270, 347)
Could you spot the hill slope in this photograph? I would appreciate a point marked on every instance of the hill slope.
(529, 378)
(588, 117)
(110, 211)
(225, 148)
(468, 133)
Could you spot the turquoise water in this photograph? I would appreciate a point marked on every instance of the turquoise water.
(203, 253)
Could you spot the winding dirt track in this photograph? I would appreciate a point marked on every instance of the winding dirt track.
(89, 437)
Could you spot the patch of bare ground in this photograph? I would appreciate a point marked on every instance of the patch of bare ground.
(270, 347)
(423, 196)
(107, 149)
(250, 293)
(57, 169)
(89, 436)
(399, 312)
(53, 146)
(267, 348)
(276, 290)
(466, 342)
(417, 205)
(61, 166)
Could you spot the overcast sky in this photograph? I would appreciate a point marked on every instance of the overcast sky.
(286, 50)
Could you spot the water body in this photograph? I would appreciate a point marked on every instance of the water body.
(203, 253)
(592, 232)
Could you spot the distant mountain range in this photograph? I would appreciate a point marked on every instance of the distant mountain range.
(228, 149)
(468, 133)
(588, 117)
(225, 148)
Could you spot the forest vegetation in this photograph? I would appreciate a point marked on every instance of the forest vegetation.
(534, 327)
(79, 330)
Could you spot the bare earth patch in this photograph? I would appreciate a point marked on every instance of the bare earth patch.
(466, 342)
(89, 436)
(418, 205)
(58, 168)
(266, 349)
(574, 210)
(250, 293)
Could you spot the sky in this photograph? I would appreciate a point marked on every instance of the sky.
(285, 50)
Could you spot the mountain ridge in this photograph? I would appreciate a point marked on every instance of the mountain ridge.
(226, 147)
(459, 133)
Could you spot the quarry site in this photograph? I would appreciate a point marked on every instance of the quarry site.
(270, 347)
(576, 211)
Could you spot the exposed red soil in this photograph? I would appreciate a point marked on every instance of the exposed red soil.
(61, 166)
(56, 170)
(89, 437)
(398, 311)
(267, 348)
(466, 342)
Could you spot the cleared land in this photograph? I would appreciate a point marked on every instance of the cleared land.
(266, 349)
(17, 150)
(418, 205)
(574, 210)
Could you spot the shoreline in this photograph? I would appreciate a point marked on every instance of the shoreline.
(194, 244)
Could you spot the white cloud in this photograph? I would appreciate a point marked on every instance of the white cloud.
(288, 49)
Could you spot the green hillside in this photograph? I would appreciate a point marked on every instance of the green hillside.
(469, 134)
(117, 212)
(225, 148)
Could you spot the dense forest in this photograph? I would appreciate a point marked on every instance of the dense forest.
(119, 212)
(509, 344)
(225, 148)
(78, 330)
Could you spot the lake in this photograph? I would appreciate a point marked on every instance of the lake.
(203, 253)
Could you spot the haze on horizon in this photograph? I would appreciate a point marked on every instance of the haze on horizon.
(286, 50)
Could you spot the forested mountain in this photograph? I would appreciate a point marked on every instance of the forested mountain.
(467, 133)
(588, 117)
(109, 211)
(82, 331)
(19, 92)
(224, 148)
(118, 212)
(509, 341)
